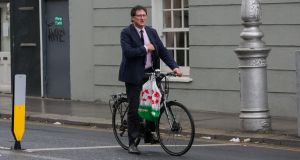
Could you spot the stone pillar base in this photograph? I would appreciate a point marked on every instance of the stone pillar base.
(254, 125)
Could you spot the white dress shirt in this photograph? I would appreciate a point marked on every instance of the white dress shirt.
(148, 63)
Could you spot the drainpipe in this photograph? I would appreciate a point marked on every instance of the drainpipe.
(298, 89)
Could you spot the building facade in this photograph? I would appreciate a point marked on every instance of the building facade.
(4, 47)
(201, 35)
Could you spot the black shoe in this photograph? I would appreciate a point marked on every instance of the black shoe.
(133, 149)
(150, 138)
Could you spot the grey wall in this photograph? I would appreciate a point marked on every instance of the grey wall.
(5, 41)
(215, 26)
(81, 50)
(109, 17)
(95, 53)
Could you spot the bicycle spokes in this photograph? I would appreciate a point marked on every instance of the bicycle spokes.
(123, 127)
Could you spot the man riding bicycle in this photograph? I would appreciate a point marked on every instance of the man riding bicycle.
(141, 53)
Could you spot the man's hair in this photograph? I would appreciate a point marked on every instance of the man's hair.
(137, 8)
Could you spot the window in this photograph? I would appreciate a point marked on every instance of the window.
(171, 19)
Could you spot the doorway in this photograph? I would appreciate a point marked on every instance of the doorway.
(57, 49)
(25, 43)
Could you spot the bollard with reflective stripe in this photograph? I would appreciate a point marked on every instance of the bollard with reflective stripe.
(18, 120)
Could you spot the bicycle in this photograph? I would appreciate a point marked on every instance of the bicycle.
(175, 127)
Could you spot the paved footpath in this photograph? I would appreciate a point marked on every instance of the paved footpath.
(209, 125)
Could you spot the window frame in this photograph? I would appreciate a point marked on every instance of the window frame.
(157, 23)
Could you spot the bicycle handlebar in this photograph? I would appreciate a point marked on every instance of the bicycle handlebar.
(161, 75)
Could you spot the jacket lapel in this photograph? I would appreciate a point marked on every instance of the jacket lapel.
(151, 38)
(135, 35)
(149, 35)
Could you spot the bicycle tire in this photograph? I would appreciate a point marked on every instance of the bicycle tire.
(182, 137)
(119, 122)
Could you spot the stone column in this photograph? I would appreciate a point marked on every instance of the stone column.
(252, 54)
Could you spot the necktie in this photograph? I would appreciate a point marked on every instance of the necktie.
(148, 58)
(142, 37)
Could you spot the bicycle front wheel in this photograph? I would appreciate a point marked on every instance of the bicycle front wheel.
(175, 129)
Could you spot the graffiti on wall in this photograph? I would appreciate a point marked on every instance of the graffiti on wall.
(55, 33)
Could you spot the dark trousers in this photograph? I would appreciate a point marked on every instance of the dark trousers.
(133, 120)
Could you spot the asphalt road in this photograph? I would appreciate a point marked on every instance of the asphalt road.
(59, 142)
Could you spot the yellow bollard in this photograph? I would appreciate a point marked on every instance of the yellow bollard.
(18, 120)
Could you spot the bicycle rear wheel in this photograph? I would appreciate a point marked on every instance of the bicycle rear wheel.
(119, 122)
(176, 139)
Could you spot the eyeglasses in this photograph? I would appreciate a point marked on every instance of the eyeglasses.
(141, 15)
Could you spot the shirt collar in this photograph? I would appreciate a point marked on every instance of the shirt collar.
(138, 29)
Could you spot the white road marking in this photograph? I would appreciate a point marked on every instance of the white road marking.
(17, 153)
(70, 148)
(109, 147)
(4, 148)
(198, 145)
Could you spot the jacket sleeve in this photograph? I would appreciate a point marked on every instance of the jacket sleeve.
(129, 50)
(164, 54)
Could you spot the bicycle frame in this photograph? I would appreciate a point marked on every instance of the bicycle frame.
(115, 99)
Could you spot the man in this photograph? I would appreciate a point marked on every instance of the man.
(141, 53)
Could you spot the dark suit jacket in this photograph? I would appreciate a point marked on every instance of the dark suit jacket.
(133, 54)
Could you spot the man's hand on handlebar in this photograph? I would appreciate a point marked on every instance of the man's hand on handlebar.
(178, 72)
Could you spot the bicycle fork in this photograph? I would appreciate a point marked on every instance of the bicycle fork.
(171, 118)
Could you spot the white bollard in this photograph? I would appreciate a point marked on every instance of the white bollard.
(18, 114)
